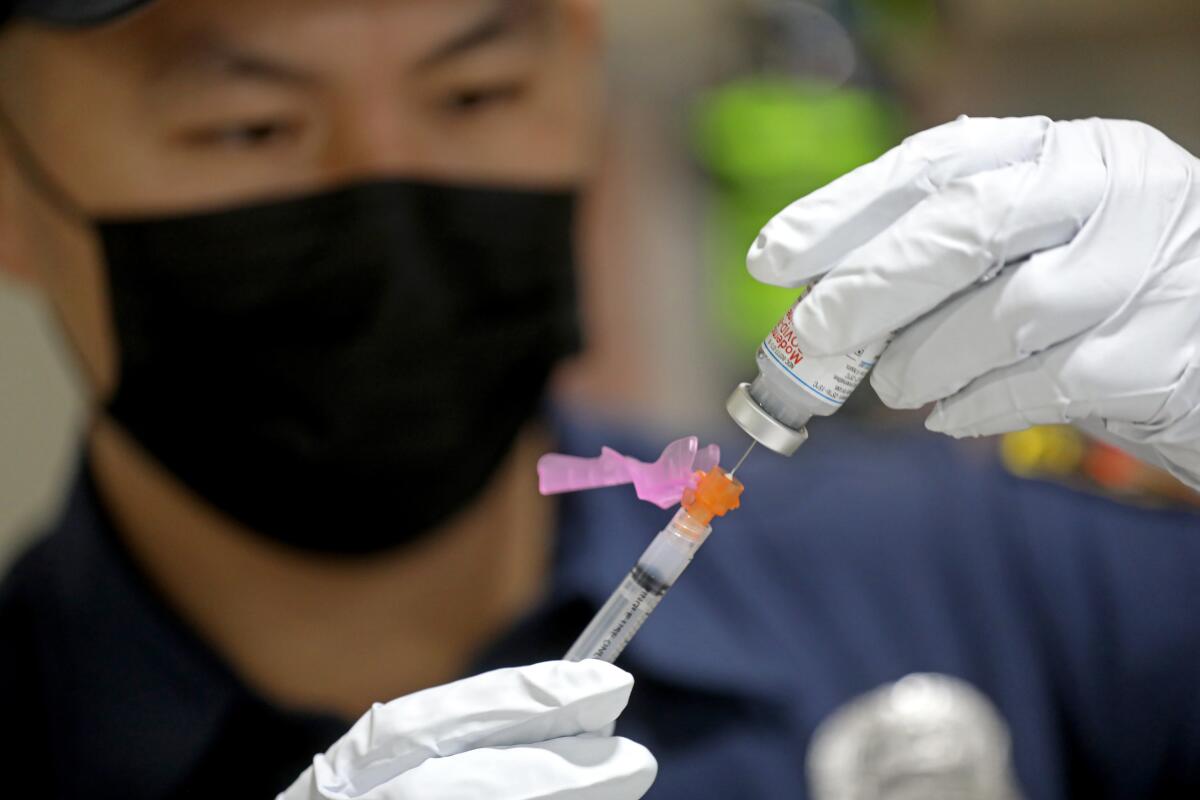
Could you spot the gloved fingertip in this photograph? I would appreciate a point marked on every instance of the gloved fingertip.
(762, 262)
(888, 390)
(609, 674)
(775, 260)
(946, 423)
(937, 422)
(644, 767)
(601, 690)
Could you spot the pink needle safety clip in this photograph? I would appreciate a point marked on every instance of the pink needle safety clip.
(662, 482)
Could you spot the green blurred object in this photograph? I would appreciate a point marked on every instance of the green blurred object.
(766, 142)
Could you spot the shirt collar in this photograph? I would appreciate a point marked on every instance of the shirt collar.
(150, 697)
(127, 657)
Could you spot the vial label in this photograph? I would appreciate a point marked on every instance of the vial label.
(830, 379)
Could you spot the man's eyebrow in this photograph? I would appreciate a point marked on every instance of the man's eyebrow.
(215, 57)
(504, 18)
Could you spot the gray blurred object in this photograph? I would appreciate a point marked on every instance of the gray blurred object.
(799, 39)
(40, 412)
(925, 737)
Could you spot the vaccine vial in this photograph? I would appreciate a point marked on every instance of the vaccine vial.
(792, 388)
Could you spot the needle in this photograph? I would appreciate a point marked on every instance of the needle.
(743, 458)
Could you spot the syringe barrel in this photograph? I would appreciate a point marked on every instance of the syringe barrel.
(641, 591)
(791, 387)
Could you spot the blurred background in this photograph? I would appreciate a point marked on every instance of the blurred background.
(722, 112)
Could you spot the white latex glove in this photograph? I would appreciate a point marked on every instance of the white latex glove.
(539, 731)
(1037, 272)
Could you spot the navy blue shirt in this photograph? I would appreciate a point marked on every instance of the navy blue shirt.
(860, 560)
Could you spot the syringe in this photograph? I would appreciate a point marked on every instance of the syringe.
(656, 571)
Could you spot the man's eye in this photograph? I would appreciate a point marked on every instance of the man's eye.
(476, 99)
(246, 136)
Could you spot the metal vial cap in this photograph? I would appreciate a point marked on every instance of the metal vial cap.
(761, 426)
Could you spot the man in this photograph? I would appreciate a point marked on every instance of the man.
(313, 258)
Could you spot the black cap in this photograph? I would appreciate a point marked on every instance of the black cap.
(68, 12)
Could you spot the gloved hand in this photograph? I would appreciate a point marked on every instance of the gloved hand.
(539, 731)
(1036, 271)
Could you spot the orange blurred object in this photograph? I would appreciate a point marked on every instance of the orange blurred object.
(1060, 452)
(716, 494)
(1111, 468)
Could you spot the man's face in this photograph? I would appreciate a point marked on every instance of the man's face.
(201, 103)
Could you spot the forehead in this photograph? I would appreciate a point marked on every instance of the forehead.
(177, 36)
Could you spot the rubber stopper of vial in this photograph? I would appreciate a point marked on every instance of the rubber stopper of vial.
(716, 494)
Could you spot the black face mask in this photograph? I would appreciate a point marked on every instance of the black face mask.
(342, 371)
